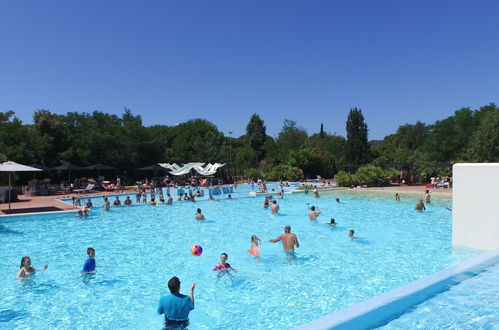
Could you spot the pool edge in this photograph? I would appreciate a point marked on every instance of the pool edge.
(381, 309)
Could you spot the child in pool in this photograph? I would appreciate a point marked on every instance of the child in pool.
(255, 246)
(223, 266)
(89, 265)
(26, 269)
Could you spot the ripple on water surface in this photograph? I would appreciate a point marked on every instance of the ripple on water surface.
(139, 248)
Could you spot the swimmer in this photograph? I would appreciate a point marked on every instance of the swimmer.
(448, 208)
(332, 223)
(199, 215)
(351, 233)
(89, 203)
(274, 207)
(229, 197)
(337, 200)
(420, 205)
(427, 197)
(306, 190)
(144, 197)
(26, 269)
(89, 265)
(313, 214)
(106, 205)
(128, 201)
(117, 201)
(80, 213)
(212, 198)
(397, 197)
(169, 199)
(266, 202)
(255, 246)
(289, 241)
(223, 266)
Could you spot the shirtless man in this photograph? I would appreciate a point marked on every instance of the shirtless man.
(288, 240)
(313, 214)
(199, 215)
(169, 199)
(427, 197)
(420, 205)
(274, 207)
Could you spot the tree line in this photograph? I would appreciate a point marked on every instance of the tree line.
(124, 142)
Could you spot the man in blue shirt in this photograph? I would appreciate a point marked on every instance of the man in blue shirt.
(176, 306)
(89, 265)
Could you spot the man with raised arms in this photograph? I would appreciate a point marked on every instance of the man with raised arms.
(313, 214)
(289, 241)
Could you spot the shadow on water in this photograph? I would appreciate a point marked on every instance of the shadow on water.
(7, 315)
(4, 230)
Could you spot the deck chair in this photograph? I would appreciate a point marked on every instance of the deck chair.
(87, 189)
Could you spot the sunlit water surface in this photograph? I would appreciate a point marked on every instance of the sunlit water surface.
(139, 248)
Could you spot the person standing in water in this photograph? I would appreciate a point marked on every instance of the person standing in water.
(26, 269)
(274, 207)
(427, 197)
(255, 246)
(175, 306)
(199, 215)
(313, 214)
(420, 205)
(289, 240)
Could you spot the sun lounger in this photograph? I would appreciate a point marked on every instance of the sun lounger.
(87, 189)
(108, 186)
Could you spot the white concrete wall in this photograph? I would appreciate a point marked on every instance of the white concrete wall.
(475, 200)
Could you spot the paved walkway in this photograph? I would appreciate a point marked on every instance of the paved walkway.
(45, 203)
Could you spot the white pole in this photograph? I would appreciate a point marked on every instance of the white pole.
(9, 190)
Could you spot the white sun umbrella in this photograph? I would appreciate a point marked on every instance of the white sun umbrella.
(15, 167)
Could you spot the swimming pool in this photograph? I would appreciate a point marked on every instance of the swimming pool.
(472, 304)
(139, 248)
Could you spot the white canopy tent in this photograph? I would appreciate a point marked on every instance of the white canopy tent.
(186, 168)
(169, 166)
(15, 167)
(210, 169)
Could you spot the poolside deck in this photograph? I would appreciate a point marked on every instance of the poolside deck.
(25, 205)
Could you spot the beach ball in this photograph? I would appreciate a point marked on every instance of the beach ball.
(196, 250)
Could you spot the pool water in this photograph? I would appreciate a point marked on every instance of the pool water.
(472, 304)
(139, 248)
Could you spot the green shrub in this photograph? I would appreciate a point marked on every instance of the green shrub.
(373, 175)
(343, 179)
(285, 172)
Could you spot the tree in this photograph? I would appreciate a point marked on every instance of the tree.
(484, 145)
(321, 133)
(291, 137)
(256, 135)
(245, 158)
(197, 140)
(357, 148)
(14, 142)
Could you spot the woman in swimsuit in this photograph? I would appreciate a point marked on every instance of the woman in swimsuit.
(26, 269)
(255, 246)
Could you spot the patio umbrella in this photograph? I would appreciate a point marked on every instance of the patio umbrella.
(15, 167)
(69, 168)
(154, 167)
(100, 167)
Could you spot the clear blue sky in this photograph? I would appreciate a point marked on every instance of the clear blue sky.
(309, 61)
